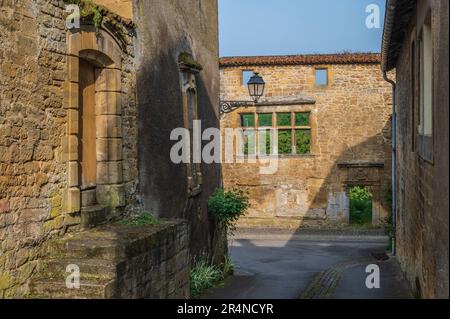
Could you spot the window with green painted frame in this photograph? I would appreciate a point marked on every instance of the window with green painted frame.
(293, 128)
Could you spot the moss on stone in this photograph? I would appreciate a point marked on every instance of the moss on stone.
(145, 219)
(4, 281)
(56, 205)
(189, 61)
(97, 12)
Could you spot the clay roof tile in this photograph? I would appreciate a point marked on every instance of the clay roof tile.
(280, 60)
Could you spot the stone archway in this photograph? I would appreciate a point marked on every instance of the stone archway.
(93, 145)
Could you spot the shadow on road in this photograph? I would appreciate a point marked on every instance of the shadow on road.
(282, 265)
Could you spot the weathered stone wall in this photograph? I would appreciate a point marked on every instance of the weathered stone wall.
(350, 124)
(168, 28)
(118, 261)
(123, 8)
(422, 187)
(161, 271)
(34, 125)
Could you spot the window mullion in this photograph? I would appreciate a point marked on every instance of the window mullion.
(294, 142)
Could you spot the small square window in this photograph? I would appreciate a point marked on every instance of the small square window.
(246, 75)
(321, 77)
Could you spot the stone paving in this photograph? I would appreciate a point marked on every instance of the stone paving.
(312, 264)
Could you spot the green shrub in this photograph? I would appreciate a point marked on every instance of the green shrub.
(145, 219)
(89, 8)
(360, 205)
(228, 206)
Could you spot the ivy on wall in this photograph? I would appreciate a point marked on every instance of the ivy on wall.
(89, 9)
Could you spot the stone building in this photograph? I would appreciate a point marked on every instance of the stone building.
(332, 117)
(415, 44)
(85, 121)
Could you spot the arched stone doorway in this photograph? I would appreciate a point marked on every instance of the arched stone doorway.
(93, 146)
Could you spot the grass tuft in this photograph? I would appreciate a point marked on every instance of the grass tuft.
(143, 220)
(204, 276)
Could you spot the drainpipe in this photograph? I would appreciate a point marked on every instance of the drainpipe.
(394, 164)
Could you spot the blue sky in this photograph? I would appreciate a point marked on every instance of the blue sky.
(279, 27)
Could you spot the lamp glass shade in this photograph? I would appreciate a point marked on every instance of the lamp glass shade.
(256, 86)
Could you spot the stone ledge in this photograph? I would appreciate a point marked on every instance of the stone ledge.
(360, 165)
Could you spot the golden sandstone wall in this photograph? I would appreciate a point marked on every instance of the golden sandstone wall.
(41, 196)
(123, 8)
(38, 122)
(350, 128)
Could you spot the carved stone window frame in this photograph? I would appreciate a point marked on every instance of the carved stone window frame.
(188, 84)
(274, 111)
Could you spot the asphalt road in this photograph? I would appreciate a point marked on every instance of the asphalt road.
(280, 265)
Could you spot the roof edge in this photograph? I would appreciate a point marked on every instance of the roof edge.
(306, 59)
(387, 34)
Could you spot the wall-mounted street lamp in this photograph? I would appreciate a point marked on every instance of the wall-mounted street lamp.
(255, 86)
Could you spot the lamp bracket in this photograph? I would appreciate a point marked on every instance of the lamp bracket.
(230, 106)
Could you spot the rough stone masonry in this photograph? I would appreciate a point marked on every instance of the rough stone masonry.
(69, 134)
(38, 121)
(342, 105)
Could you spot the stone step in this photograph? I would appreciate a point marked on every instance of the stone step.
(89, 197)
(93, 216)
(123, 243)
(45, 289)
(91, 270)
(104, 249)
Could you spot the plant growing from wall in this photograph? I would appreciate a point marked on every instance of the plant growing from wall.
(146, 219)
(388, 224)
(204, 276)
(228, 206)
(89, 8)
